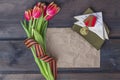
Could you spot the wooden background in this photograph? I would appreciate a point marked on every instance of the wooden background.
(16, 61)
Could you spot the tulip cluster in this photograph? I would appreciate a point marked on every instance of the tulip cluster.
(39, 9)
(35, 26)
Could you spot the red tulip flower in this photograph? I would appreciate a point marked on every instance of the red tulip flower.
(36, 13)
(41, 5)
(35, 27)
(28, 15)
(51, 10)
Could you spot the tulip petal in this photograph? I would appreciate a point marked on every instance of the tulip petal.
(28, 15)
(51, 10)
(50, 4)
(48, 17)
(36, 12)
(38, 4)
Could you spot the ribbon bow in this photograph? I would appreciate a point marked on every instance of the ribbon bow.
(40, 54)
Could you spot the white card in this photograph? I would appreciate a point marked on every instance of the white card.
(99, 28)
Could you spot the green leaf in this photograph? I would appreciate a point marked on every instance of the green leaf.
(30, 25)
(25, 28)
(39, 23)
(44, 27)
(38, 37)
(44, 30)
(39, 63)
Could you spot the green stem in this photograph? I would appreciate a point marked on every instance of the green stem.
(44, 67)
(44, 38)
(50, 73)
(32, 27)
(38, 62)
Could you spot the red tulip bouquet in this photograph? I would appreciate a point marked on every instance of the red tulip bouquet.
(35, 26)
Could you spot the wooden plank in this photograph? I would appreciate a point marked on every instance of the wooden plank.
(16, 8)
(15, 57)
(11, 12)
(15, 31)
(110, 55)
(11, 31)
(71, 76)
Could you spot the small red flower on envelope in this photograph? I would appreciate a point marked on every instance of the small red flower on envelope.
(90, 21)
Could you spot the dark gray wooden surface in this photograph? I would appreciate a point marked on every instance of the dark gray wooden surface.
(11, 12)
(16, 58)
(76, 76)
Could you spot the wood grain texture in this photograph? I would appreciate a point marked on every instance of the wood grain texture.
(111, 55)
(76, 76)
(11, 12)
(15, 57)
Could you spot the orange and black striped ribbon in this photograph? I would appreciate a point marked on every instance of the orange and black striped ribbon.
(41, 55)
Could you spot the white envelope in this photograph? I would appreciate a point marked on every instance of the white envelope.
(99, 28)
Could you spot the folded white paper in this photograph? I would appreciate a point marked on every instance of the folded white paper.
(99, 27)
